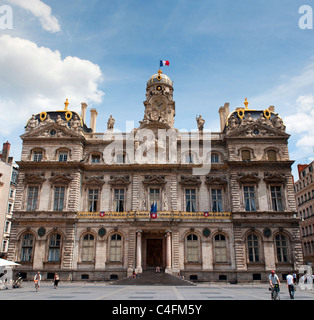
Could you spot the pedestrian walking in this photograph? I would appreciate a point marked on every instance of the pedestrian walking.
(290, 285)
(56, 280)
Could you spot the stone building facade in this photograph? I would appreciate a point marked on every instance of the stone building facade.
(225, 206)
(8, 183)
(304, 193)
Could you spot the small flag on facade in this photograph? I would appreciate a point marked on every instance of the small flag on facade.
(206, 214)
(164, 63)
(153, 211)
(102, 213)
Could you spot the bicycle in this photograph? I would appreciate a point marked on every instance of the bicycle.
(275, 292)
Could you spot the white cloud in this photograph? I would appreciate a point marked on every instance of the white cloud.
(294, 101)
(301, 123)
(41, 11)
(35, 79)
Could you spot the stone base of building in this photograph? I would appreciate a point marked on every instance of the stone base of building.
(227, 276)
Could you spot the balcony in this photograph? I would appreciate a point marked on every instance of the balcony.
(163, 215)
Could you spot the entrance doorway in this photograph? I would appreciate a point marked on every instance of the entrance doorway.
(154, 253)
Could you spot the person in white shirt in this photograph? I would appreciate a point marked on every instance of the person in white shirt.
(290, 284)
(273, 280)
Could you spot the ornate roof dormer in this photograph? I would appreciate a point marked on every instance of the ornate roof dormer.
(63, 118)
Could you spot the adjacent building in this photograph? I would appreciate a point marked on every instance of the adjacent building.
(304, 193)
(8, 183)
(210, 205)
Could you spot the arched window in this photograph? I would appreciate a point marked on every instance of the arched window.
(214, 158)
(220, 248)
(271, 155)
(192, 248)
(246, 155)
(54, 247)
(253, 248)
(115, 254)
(281, 248)
(88, 248)
(27, 248)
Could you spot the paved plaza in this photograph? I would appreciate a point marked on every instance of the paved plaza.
(103, 291)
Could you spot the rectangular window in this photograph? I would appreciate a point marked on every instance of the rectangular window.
(37, 156)
(249, 198)
(32, 198)
(14, 177)
(63, 156)
(93, 200)
(58, 199)
(190, 200)
(216, 200)
(154, 197)
(276, 198)
(118, 200)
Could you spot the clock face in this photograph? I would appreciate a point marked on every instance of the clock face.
(158, 88)
(159, 103)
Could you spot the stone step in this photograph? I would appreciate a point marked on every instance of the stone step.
(150, 277)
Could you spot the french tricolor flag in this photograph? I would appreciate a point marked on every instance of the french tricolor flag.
(164, 63)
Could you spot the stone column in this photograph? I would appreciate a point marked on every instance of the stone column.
(139, 251)
(168, 253)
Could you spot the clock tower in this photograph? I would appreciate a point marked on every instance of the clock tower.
(159, 106)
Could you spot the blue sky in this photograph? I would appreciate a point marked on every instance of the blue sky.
(103, 52)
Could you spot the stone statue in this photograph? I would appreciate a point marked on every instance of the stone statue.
(233, 122)
(60, 121)
(32, 123)
(110, 123)
(200, 123)
(278, 123)
(248, 119)
(75, 124)
(48, 119)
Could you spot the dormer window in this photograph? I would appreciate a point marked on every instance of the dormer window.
(63, 156)
(37, 156)
(271, 155)
(189, 158)
(246, 155)
(95, 158)
(214, 158)
(120, 158)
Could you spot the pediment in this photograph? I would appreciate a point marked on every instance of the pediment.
(151, 179)
(60, 178)
(256, 130)
(50, 130)
(211, 180)
(190, 181)
(94, 180)
(250, 177)
(119, 180)
(274, 177)
(34, 178)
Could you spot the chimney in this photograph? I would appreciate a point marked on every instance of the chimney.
(5, 152)
(93, 117)
(83, 111)
(223, 113)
